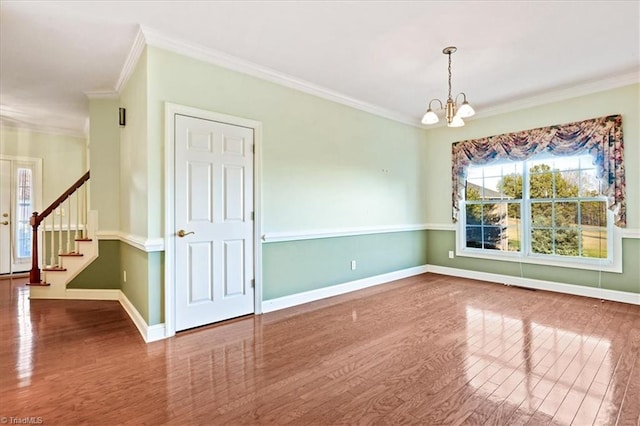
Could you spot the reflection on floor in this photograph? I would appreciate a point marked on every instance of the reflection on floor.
(425, 350)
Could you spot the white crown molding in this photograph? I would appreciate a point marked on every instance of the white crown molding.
(139, 43)
(148, 36)
(578, 290)
(86, 128)
(47, 130)
(192, 50)
(562, 94)
(340, 232)
(147, 245)
(102, 94)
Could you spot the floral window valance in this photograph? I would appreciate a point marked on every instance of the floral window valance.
(601, 137)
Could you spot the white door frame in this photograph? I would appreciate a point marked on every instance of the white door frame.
(170, 110)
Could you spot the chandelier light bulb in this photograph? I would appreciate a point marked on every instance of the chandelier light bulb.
(456, 121)
(466, 110)
(430, 117)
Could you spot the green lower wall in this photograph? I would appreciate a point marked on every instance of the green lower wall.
(297, 266)
(135, 262)
(440, 242)
(156, 288)
(145, 277)
(102, 273)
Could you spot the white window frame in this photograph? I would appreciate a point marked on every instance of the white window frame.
(613, 262)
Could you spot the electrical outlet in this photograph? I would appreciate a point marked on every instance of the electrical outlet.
(124, 276)
(450, 254)
(353, 265)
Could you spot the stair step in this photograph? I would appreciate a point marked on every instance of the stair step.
(84, 239)
(40, 284)
(71, 254)
(54, 269)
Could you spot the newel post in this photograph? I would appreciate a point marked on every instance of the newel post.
(34, 273)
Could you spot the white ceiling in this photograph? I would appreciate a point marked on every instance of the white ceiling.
(384, 54)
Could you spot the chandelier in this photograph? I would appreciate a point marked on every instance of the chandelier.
(453, 113)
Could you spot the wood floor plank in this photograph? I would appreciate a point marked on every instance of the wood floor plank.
(427, 350)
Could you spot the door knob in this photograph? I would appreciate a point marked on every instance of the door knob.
(182, 234)
(6, 222)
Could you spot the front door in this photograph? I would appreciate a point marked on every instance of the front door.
(5, 217)
(19, 197)
(214, 259)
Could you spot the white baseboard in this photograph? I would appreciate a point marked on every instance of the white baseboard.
(578, 290)
(149, 333)
(338, 289)
(91, 294)
(155, 332)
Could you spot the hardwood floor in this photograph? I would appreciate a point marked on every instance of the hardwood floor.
(429, 350)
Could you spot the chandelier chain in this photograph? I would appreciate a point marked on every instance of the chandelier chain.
(449, 54)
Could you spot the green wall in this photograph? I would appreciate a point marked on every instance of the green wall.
(440, 242)
(324, 165)
(102, 273)
(624, 100)
(104, 158)
(297, 266)
(63, 157)
(136, 263)
(134, 161)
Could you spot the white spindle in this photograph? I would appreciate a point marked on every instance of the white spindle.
(44, 245)
(85, 231)
(60, 233)
(53, 237)
(69, 224)
(76, 248)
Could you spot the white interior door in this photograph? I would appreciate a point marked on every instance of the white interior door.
(214, 260)
(5, 216)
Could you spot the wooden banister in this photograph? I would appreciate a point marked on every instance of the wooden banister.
(36, 220)
(73, 188)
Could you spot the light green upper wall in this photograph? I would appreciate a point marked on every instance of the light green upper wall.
(135, 163)
(624, 101)
(63, 157)
(325, 165)
(104, 156)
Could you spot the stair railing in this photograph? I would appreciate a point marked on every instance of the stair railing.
(81, 223)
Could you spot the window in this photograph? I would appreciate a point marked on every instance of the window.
(24, 209)
(545, 207)
(554, 195)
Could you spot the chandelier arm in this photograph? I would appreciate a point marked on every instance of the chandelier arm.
(438, 100)
(464, 97)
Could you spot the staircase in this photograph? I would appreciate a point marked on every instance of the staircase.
(64, 252)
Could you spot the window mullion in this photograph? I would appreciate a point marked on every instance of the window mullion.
(525, 220)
